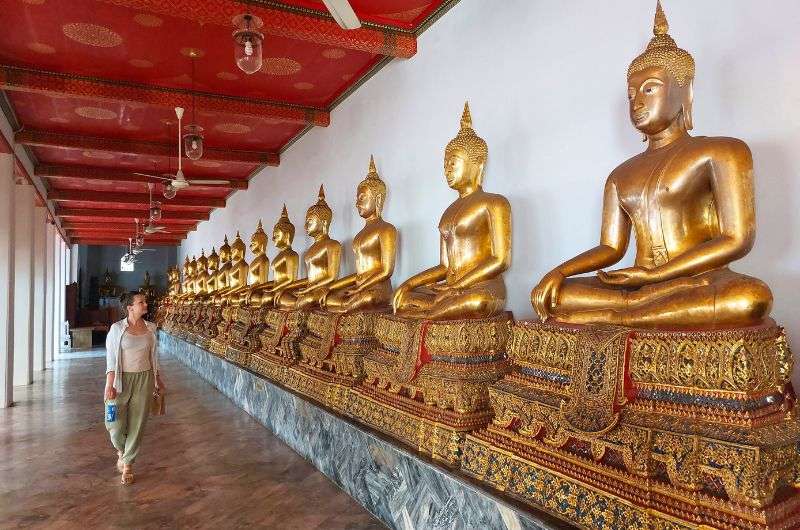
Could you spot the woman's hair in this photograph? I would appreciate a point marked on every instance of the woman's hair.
(127, 299)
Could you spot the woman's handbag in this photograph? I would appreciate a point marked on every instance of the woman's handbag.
(157, 405)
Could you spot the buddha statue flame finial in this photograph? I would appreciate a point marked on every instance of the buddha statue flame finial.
(473, 145)
(321, 208)
(284, 224)
(663, 52)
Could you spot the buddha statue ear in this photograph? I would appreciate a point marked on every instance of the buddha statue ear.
(686, 108)
(479, 177)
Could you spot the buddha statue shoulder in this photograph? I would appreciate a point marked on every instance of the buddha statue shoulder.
(222, 273)
(375, 249)
(321, 261)
(237, 275)
(284, 265)
(474, 242)
(690, 203)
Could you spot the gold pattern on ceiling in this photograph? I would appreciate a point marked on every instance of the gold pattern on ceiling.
(280, 66)
(40, 47)
(95, 113)
(304, 85)
(232, 128)
(334, 53)
(147, 20)
(92, 34)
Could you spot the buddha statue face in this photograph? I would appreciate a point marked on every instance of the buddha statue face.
(281, 238)
(656, 99)
(368, 202)
(460, 171)
(316, 225)
(237, 249)
(258, 243)
(213, 261)
(224, 254)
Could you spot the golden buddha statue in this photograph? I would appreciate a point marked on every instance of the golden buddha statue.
(475, 243)
(173, 282)
(237, 274)
(222, 273)
(188, 279)
(284, 265)
(201, 276)
(213, 267)
(258, 272)
(375, 249)
(690, 203)
(108, 288)
(321, 259)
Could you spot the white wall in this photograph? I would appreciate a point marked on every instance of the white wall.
(546, 83)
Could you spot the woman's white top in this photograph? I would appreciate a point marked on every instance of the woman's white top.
(114, 355)
(136, 352)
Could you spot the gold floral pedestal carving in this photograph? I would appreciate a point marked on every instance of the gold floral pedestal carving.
(207, 329)
(644, 428)
(181, 320)
(426, 383)
(278, 349)
(218, 345)
(331, 353)
(244, 336)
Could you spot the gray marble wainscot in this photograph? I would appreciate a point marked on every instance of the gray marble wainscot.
(399, 488)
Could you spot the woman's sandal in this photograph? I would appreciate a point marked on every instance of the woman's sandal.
(120, 464)
(127, 474)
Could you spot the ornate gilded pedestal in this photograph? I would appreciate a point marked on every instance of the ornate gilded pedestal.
(244, 336)
(219, 344)
(207, 330)
(278, 349)
(331, 353)
(426, 383)
(619, 428)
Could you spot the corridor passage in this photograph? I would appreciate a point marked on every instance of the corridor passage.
(206, 464)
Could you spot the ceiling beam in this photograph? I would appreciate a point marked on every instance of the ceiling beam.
(103, 197)
(53, 83)
(122, 234)
(284, 21)
(69, 141)
(184, 226)
(104, 241)
(166, 215)
(120, 175)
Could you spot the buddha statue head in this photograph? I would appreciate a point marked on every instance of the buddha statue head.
(660, 82)
(213, 261)
(193, 266)
(258, 242)
(238, 248)
(319, 216)
(186, 266)
(202, 262)
(224, 252)
(283, 232)
(371, 193)
(465, 156)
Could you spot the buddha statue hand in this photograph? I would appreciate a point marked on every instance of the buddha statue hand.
(628, 277)
(544, 296)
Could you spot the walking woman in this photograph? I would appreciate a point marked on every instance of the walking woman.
(132, 375)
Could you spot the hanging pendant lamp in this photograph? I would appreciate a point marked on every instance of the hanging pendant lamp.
(193, 138)
(248, 50)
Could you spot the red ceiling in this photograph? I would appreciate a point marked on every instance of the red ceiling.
(146, 42)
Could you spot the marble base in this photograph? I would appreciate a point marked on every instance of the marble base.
(402, 489)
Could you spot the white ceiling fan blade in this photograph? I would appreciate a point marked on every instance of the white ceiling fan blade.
(153, 176)
(342, 12)
(209, 182)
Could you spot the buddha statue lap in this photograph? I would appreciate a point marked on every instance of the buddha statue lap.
(426, 383)
(246, 326)
(338, 335)
(265, 359)
(663, 388)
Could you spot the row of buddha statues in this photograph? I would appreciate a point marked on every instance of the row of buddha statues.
(653, 396)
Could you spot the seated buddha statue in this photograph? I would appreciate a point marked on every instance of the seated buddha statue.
(173, 283)
(201, 276)
(108, 289)
(284, 265)
(237, 274)
(221, 284)
(321, 260)
(475, 243)
(690, 203)
(259, 266)
(188, 279)
(375, 248)
(213, 267)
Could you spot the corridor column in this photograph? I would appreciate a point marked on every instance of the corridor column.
(58, 287)
(24, 207)
(7, 272)
(51, 282)
(39, 288)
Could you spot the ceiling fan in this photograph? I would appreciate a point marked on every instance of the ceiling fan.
(155, 215)
(138, 241)
(342, 12)
(179, 181)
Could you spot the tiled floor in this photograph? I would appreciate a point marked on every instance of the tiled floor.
(207, 464)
